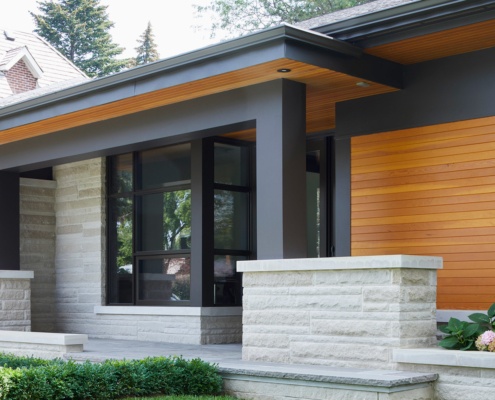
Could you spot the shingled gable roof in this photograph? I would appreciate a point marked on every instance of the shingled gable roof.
(13, 56)
(41, 56)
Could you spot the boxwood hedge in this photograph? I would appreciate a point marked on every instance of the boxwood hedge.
(36, 379)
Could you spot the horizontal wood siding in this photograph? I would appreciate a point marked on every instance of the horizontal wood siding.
(431, 191)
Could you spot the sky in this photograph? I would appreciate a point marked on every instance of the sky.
(173, 22)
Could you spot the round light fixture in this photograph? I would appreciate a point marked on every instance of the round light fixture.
(283, 70)
(363, 84)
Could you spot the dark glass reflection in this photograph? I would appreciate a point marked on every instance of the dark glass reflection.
(164, 279)
(231, 220)
(121, 271)
(165, 166)
(121, 174)
(231, 165)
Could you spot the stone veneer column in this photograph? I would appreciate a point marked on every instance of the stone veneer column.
(348, 311)
(15, 300)
(80, 244)
(37, 243)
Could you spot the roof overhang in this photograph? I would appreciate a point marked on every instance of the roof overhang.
(409, 20)
(229, 65)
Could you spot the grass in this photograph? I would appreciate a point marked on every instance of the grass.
(184, 398)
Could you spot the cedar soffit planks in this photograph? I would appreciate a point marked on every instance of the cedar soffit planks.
(441, 44)
(324, 88)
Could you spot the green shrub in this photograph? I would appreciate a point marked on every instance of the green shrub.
(34, 379)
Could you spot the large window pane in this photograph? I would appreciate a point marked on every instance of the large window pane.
(231, 220)
(165, 221)
(164, 279)
(313, 203)
(165, 166)
(231, 164)
(121, 174)
(120, 290)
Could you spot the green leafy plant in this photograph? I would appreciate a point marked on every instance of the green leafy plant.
(462, 335)
(486, 321)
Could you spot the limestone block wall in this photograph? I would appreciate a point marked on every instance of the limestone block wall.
(37, 248)
(187, 325)
(80, 244)
(80, 267)
(15, 300)
(466, 375)
(349, 312)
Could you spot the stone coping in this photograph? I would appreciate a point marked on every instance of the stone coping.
(341, 263)
(15, 274)
(43, 338)
(327, 374)
(445, 315)
(171, 311)
(440, 356)
(38, 183)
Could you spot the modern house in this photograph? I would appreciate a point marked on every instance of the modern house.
(370, 131)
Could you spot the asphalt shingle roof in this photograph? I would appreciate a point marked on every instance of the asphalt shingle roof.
(56, 68)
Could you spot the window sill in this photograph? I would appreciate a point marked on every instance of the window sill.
(171, 311)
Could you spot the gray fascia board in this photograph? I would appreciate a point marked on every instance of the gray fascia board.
(225, 49)
(410, 18)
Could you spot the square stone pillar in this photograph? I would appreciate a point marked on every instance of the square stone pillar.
(343, 311)
(15, 300)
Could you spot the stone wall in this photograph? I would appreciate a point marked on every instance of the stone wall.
(349, 311)
(37, 247)
(80, 244)
(466, 375)
(15, 300)
(80, 275)
(187, 325)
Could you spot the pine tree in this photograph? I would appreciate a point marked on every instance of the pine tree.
(146, 51)
(79, 29)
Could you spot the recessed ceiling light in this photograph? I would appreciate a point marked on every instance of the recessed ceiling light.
(284, 70)
(363, 84)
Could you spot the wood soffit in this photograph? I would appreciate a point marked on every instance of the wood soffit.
(324, 87)
(436, 45)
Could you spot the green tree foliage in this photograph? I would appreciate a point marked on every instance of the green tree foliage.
(79, 29)
(147, 51)
(238, 17)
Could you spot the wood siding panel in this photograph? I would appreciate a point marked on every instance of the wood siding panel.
(431, 191)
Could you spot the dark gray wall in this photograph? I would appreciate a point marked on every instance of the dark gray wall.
(9, 221)
(446, 90)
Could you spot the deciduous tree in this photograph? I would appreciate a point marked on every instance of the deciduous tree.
(238, 17)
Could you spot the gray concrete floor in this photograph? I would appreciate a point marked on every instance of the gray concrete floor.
(229, 360)
(102, 349)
